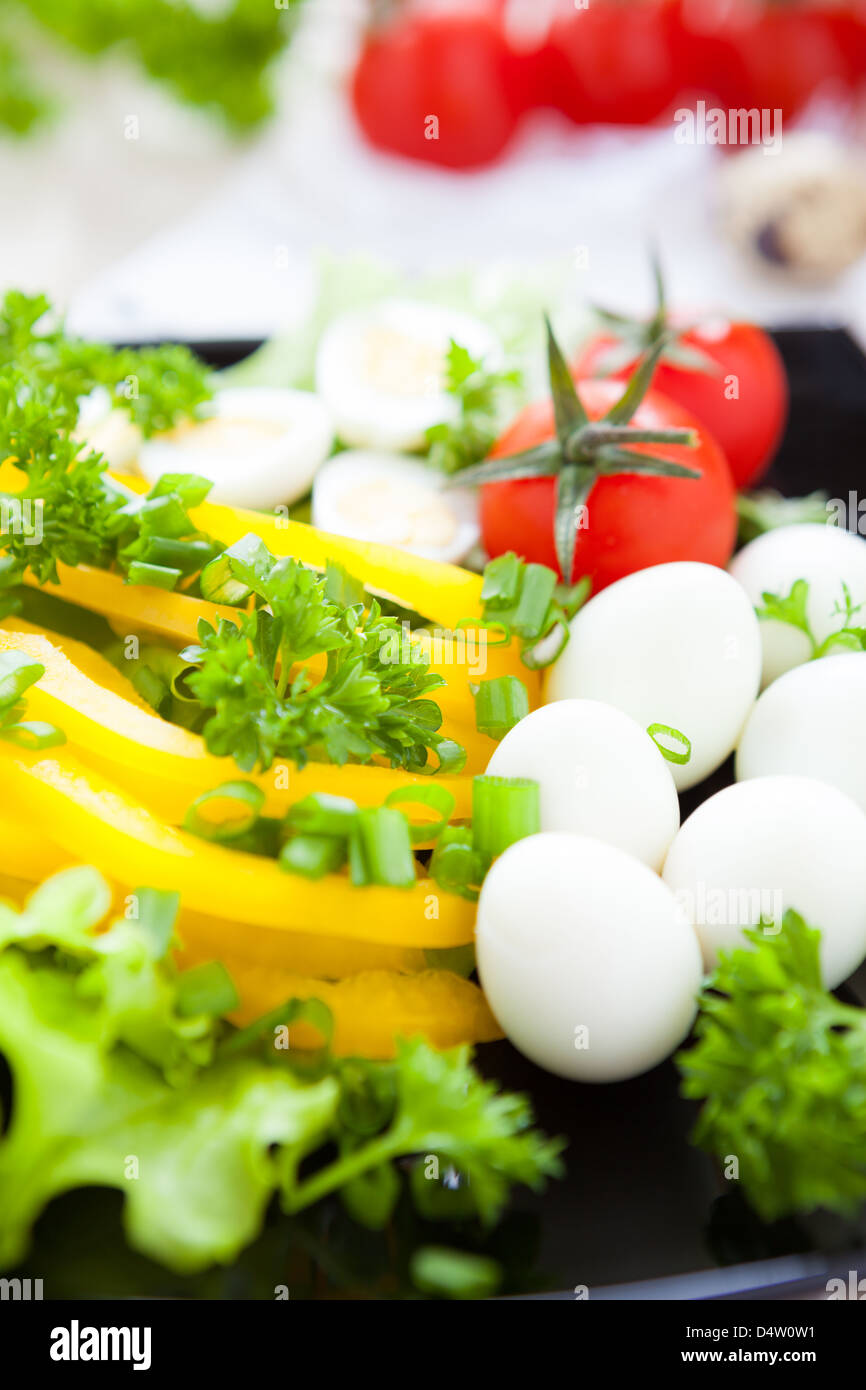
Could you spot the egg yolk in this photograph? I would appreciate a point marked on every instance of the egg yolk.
(402, 366)
(397, 516)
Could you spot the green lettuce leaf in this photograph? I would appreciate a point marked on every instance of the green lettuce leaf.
(124, 1076)
(109, 1089)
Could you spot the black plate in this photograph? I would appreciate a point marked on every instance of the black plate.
(641, 1214)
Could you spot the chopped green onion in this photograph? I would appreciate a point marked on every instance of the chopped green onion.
(17, 673)
(321, 814)
(501, 583)
(294, 1010)
(32, 733)
(164, 516)
(12, 714)
(547, 648)
(238, 806)
(455, 864)
(504, 810)
(157, 914)
(499, 705)
(536, 594)
(439, 798)
(679, 755)
(572, 597)
(264, 838)
(189, 487)
(358, 871)
(220, 581)
(383, 844)
(155, 576)
(187, 556)
(501, 630)
(149, 685)
(206, 989)
(313, 856)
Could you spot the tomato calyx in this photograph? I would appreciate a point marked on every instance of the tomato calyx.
(634, 336)
(584, 450)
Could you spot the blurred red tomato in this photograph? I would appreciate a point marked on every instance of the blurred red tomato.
(847, 24)
(440, 87)
(745, 53)
(612, 61)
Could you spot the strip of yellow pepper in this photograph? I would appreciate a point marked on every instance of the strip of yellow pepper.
(167, 766)
(26, 857)
(97, 823)
(89, 662)
(175, 617)
(373, 1009)
(443, 593)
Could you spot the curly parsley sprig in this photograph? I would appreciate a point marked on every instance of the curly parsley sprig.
(51, 371)
(368, 702)
(69, 510)
(780, 1066)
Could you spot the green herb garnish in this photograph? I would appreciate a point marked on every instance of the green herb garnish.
(525, 600)
(767, 510)
(51, 372)
(366, 704)
(792, 608)
(780, 1066)
(215, 58)
(481, 395)
(17, 673)
(124, 1076)
(499, 705)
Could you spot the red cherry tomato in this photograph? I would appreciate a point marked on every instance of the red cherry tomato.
(846, 22)
(743, 403)
(747, 55)
(438, 87)
(612, 62)
(632, 521)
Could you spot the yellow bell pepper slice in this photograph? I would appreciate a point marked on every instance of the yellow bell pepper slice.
(171, 766)
(443, 593)
(204, 937)
(26, 852)
(371, 1010)
(89, 662)
(27, 857)
(175, 617)
(96, 823)
(138, 606)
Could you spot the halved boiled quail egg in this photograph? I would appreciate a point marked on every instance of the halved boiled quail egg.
(395, 500)
(381, 371)
(260, 446)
